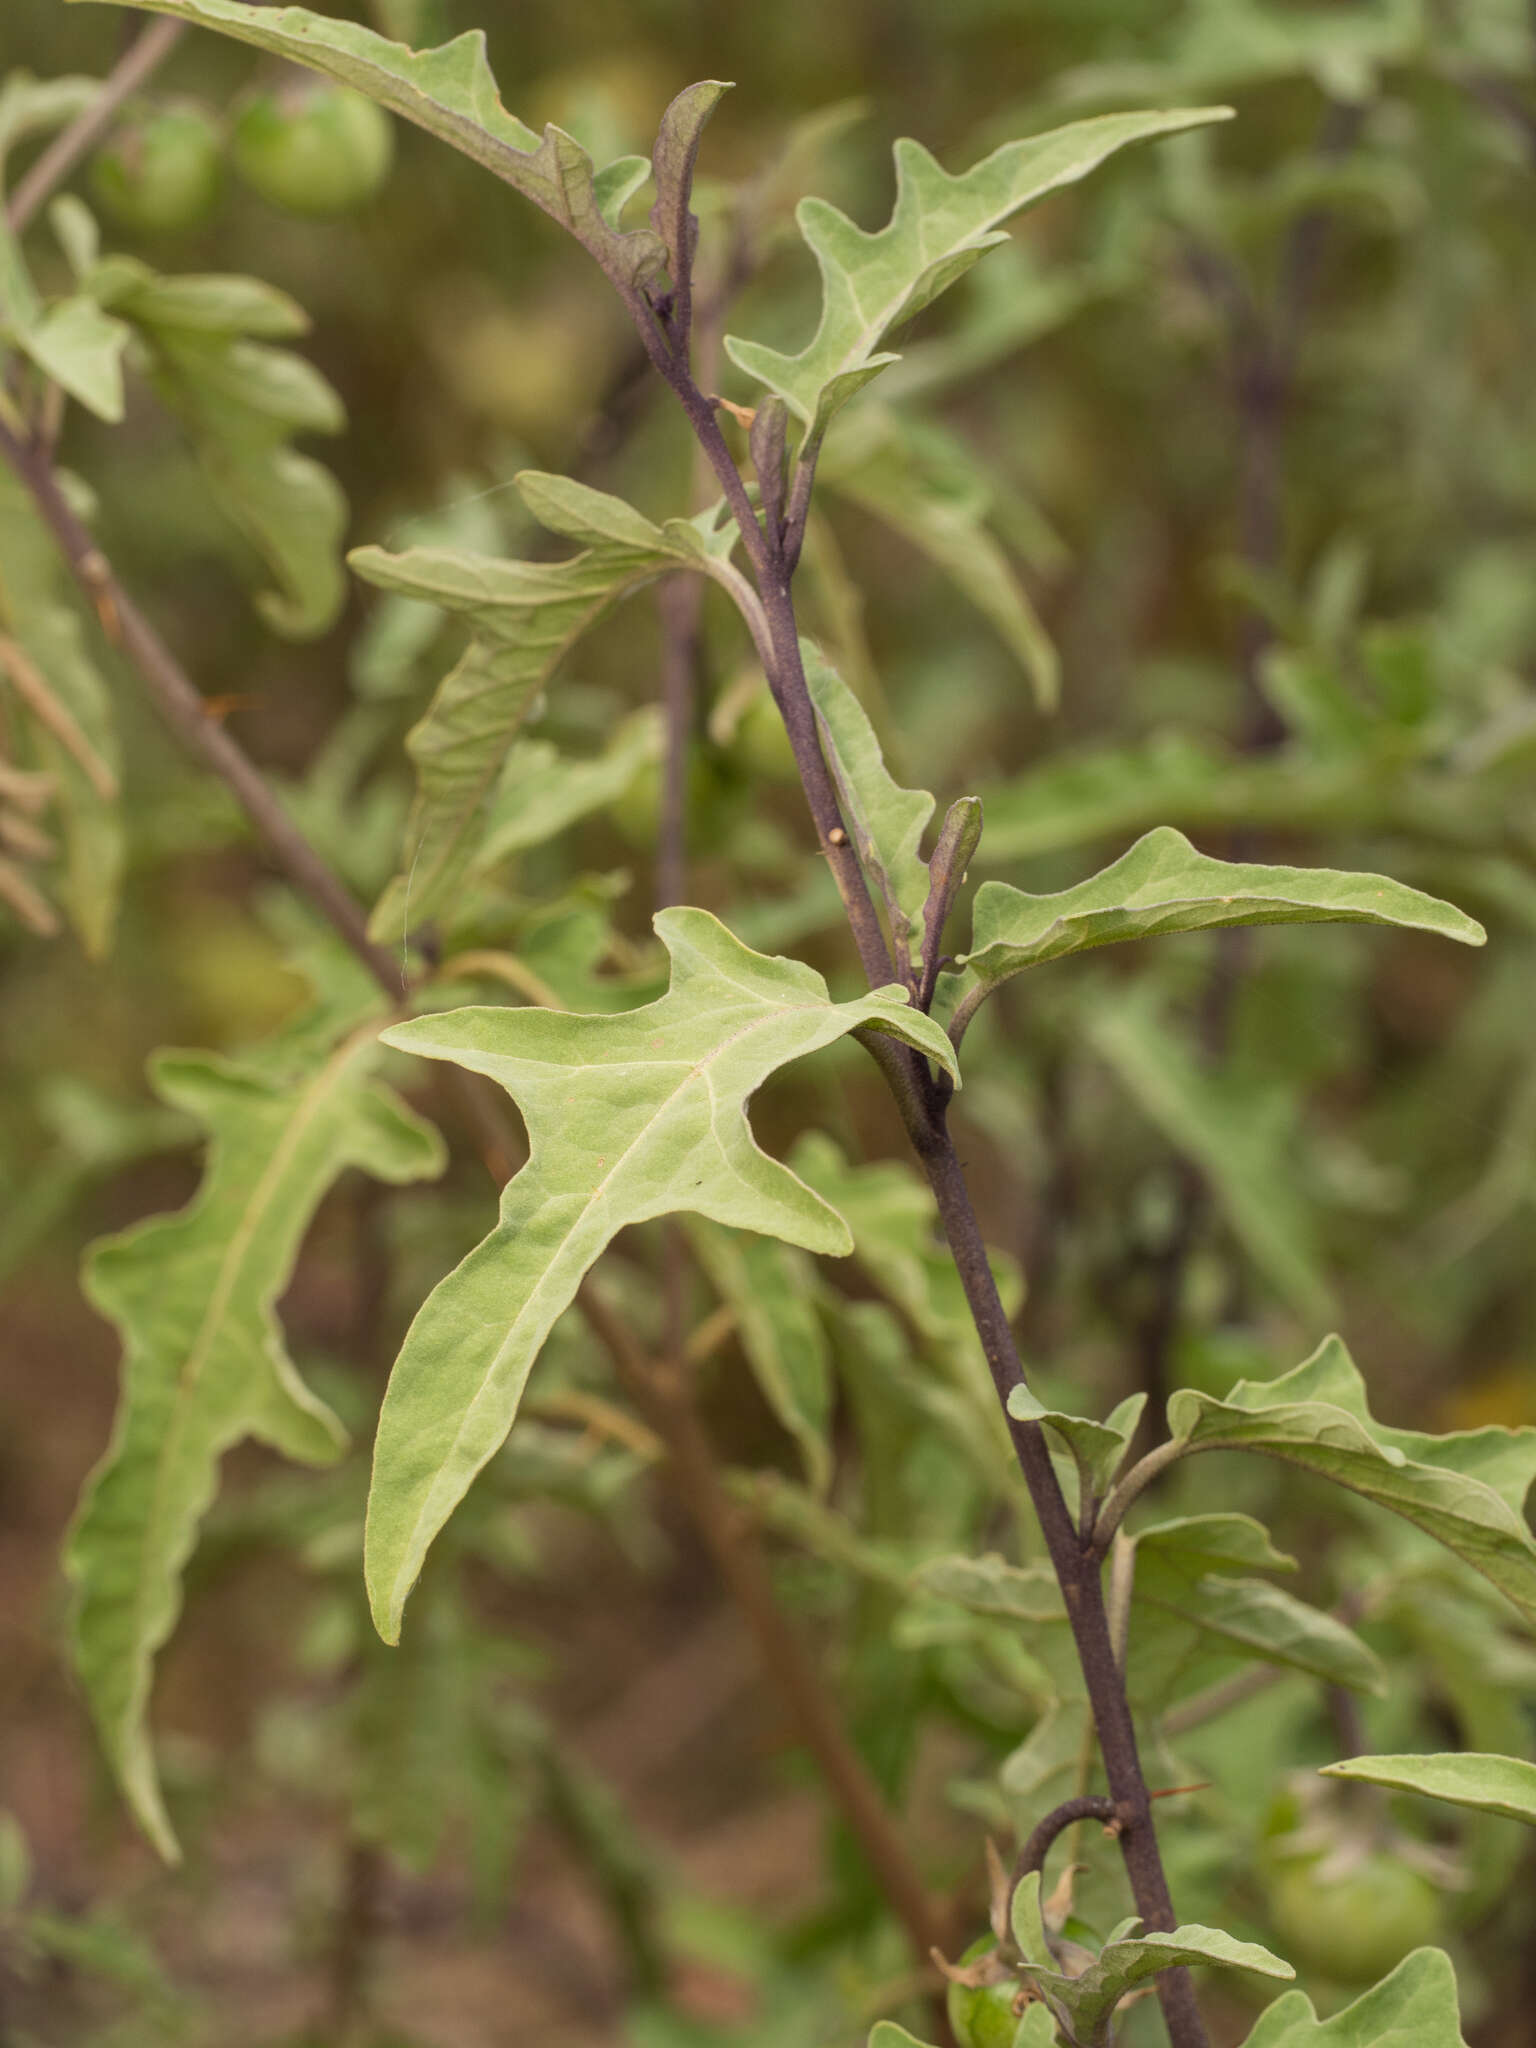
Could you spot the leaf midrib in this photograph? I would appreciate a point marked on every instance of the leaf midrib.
(491, 1376)
(235, 1255)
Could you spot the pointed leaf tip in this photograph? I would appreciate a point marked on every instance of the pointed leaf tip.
(629, 1116)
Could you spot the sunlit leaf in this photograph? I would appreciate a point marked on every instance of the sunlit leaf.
(1163, 884)
(873, 283)
(1489, 1784)
(628, 1117)
(1466, 1490)
(1416, 2007)
(193, 1296)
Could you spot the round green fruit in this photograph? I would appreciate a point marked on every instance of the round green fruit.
(987, 2016)
(161, 171)
(1357, 1926)
(313, 148)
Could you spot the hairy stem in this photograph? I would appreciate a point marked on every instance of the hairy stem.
(137, 64)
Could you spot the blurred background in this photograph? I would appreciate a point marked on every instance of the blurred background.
(1207, 500)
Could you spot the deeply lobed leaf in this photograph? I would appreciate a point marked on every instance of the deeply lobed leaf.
(941, 224)
(629, 1117)
(203, 1361)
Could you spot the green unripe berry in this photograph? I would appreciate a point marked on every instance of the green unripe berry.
(161, 170)
(313, 148)
(988, 2015)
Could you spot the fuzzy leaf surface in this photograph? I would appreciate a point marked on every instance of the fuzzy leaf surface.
(1085, 2005)
(452, 93)
(204, 1366)
(1416, 2007)
(874, 283)
(524, 617)
(629, 1117)
(1163, 884)
(1467, 1490)
(1489, 1784)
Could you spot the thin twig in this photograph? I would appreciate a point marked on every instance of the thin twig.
(136, 65)
(1031, 1857)
(181, 706)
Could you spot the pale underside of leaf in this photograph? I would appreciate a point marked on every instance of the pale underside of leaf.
(193, 1296)
(629, 1117)
(1504, 1785)
(451, 93)
(1466, 1490)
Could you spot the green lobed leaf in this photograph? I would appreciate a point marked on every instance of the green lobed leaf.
(771, 1287)
(1416, 2007)
(1466, 1490)
(1489, 1784)
(524, 617)
(887, 821)
(933, 491)
(208, 350)
(628, 1117)
(1163, 884)
(193, 1297)
(451, 93)
(1085, 2004)
(1236, 1137)
(873, 283)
